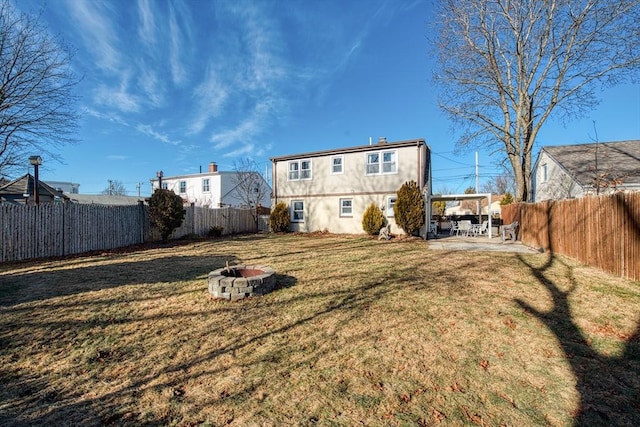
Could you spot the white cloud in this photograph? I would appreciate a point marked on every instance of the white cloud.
(147, 28)
(148, 130)
(92, 22)
(117, 97)
(210, 96)
(113, 118)
(116, 157)
(178, 73)
(151, 85)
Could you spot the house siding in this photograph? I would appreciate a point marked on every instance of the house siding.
(557, 185)
(222, 189)
(322, 193)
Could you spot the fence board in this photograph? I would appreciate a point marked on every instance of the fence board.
(52, 229)
(601, 231)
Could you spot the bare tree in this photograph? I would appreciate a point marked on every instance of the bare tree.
(498, 184)
(115, 188)
(506, 65)
(37, 104)
(250, 188)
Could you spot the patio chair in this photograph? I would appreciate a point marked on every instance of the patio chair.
(509, 231)
(464, 227)
(455, 227)
(433, 227)
(483, 229)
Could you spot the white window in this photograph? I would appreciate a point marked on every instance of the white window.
(337, 165)
(294, 171)
(382, 162)
(297, 211)
(389, 162)
(183, 187)
(299, 169)
(391, 202)
(373, 164)
(205, 185)
(346, 207)
(544, 173)
(305, 169)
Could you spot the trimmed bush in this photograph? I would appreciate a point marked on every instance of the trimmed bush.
(373, 220)
(166, 211)
(409, 208)
(280, 218)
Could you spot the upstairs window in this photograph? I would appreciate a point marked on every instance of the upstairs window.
(299, 169)
(373, 164)
(337, 165)
(183, 187)
(389, 162)
(294, 171)
(205, 185)
(545, 177)
(382, 162)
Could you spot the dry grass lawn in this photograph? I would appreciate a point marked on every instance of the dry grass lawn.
(358, 331)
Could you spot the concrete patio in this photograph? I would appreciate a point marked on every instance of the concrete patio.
(481, 243)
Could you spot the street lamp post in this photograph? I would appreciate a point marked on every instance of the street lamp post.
(36, 161)
(159, 174)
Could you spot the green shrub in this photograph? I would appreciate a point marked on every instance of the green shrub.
(409, 208)
(373, 220)
(166, 211)
(280, 218)
(507, 199)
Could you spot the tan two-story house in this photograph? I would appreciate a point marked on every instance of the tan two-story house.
(330, 190)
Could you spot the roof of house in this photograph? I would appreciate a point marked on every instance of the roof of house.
(25, 185)
(618, 159)
(369, 147)
(104, 199)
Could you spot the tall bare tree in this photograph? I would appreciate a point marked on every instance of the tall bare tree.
(37, 103)
(498, 184)
(249, 186)
(115, 188)
(506, 65)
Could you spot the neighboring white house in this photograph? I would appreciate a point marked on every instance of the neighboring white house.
(568, 171)
(331, 189)
(65, 186)
(469, 207)
(215, 189)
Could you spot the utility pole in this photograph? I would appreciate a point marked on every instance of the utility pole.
(110, 186)
(138, 187)
(477, 186)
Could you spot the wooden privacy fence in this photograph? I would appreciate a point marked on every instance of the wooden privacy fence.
(56, 229)
(601, 231)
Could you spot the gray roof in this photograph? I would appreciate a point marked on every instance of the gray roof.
(103, 199)
(25, 185)
(377, 146)
(617, 159)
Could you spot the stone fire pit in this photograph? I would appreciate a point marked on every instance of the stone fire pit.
(240, 281)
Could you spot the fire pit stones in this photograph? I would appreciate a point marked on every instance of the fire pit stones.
(240, 281)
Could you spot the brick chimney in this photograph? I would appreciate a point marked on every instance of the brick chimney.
(213, 167)
(382, 140)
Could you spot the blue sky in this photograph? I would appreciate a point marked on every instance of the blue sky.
(173, 85)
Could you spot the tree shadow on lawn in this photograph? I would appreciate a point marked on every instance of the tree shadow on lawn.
(41, 284)
(108, 408)
(609, 386)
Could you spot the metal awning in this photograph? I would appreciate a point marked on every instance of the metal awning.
(459, 197)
